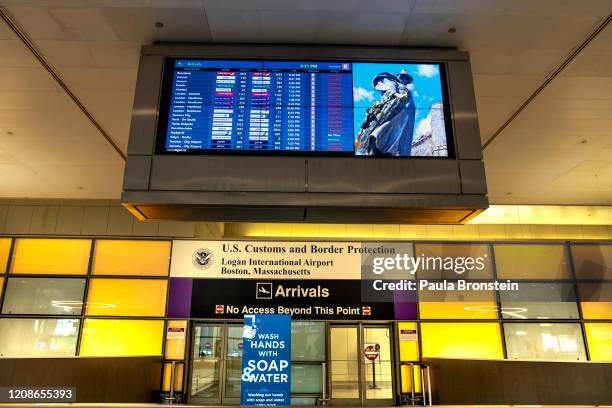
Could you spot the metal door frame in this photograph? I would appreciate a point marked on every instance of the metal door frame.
(361, 400)
(220, 399)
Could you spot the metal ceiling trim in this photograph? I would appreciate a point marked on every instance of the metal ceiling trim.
(550, 77)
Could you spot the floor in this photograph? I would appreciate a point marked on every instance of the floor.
(211, 406)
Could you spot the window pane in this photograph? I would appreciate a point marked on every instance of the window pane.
(461, 340)
(540, 301)
(461, 257)
(544, 341)
(126, 297)
(592, 261)
(124, 257)
(308, 341)
(44, 296)
(5, 247)
(103, 337)
(599, 339)
(306, 378)
(176, 334)
(51, 256)
(596, 300)
(38, 337)
(455, 304)
(531, 261)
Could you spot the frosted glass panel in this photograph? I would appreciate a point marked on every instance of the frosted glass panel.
(306, 379)
(592, 261)
(308, 341)
(54, 296)
(526, 261)
(38, 337)
(544, 341)
(476, 262)
(540, 301)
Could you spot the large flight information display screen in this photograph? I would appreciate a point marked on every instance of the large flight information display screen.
(306, 107)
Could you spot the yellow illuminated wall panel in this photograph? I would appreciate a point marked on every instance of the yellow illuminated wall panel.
(5, 247)
(461, 340)
(175, 339)
(596, 310)
(125, 257)
(51, 256)
(178, 377)
(405, 375)
(104, 337)
(599, 339)
(458, 310)
(126, 297)
(450, 304)
(594, 300)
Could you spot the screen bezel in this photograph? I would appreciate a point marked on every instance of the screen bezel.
(166, 95)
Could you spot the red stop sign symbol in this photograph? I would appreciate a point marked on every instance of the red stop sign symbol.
(371, 352)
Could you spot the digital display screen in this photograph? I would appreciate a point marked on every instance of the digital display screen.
(305, 107)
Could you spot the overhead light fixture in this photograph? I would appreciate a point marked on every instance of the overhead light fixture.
(159, 24)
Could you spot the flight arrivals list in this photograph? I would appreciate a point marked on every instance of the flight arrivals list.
(255, 105)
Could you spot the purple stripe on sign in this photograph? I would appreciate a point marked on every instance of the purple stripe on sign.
(405, 305)
(179, 302)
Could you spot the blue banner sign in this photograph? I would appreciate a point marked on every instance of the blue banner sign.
(266, 360)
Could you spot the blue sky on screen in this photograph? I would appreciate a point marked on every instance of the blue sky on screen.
(426, 80)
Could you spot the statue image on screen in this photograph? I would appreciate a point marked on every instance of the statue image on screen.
(398, 110)
(389, 122)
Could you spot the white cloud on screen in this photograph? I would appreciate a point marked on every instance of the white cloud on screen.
(424, 126)
(362, 94)
(428, 70)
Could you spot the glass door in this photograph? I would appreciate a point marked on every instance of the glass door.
(360, 365)
(233, 365)
(377, 365)
(216, 364)
(344, 367)
(206, 360)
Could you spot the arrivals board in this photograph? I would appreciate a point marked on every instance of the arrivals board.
(339, 108)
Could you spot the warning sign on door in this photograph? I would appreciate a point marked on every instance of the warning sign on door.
(408, 335)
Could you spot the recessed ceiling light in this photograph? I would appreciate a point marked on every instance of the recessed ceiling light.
(452, 30)
(159, 24)
(8, 132)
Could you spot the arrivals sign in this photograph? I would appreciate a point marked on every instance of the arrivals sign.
(266, 360)
(324, 299)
